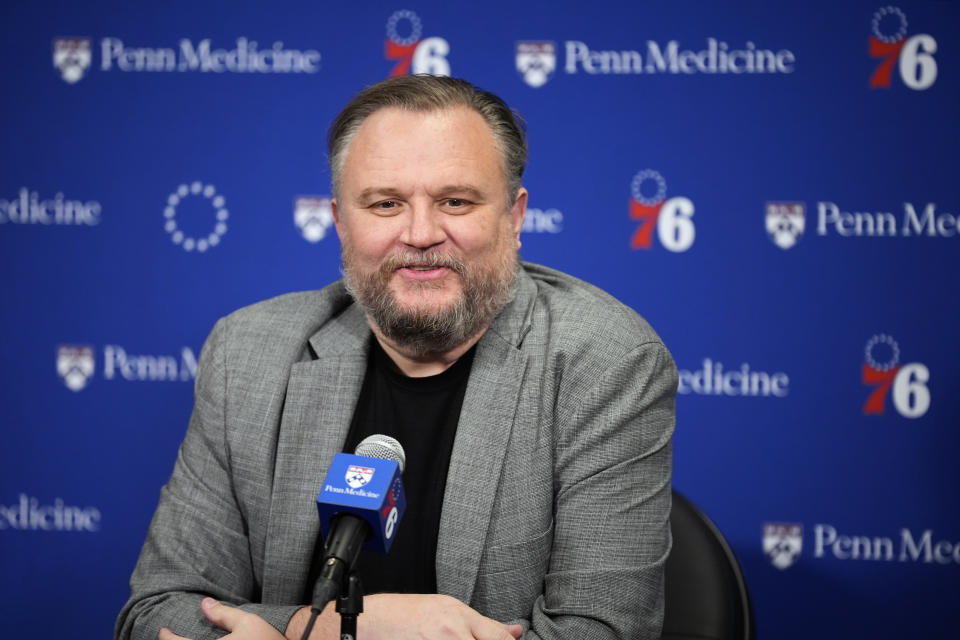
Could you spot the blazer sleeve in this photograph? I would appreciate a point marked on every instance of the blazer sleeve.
(612, 532)
(197, 544)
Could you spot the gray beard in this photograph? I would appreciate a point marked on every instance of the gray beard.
(419, 332)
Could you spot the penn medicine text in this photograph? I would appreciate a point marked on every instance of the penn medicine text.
(716, 58)
(117, 363)
(911, 548)
(28, 208)
(923, 221)
(245, 57)
(30, 515)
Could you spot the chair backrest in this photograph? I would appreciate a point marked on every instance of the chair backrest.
(706, 596)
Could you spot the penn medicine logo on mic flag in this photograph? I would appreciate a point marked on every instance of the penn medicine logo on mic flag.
(358, 476)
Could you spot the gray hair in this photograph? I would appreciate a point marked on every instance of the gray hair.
(430, 93)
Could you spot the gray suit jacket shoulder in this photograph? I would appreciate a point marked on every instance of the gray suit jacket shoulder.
(558, 492)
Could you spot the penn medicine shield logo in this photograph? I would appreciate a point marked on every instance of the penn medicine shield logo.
(413, 54)
(785, 222)
(782, 543)
(71, 56)
(536, 62)
(75, 365)
(358, 476)
(313, 215)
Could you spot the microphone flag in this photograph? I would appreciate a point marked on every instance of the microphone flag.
(369, 488)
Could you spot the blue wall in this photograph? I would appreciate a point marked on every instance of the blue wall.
(665, 139)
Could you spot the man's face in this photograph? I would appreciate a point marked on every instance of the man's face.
(429, 248)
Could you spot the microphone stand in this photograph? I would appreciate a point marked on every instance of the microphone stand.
(349, 606)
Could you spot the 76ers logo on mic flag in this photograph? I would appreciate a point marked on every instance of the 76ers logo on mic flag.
(358, 476)
(882, 369)
(672, 218)
(913, 56)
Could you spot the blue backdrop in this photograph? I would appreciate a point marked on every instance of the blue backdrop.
(774, 186)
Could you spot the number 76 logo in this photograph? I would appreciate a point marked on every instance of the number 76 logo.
(890, 43)
(911, 397)
(412, 54)
(672, 218)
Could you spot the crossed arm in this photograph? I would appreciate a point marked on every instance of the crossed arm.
(392, 617)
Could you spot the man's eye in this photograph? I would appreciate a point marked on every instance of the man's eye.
(456, 202)
(386, 204)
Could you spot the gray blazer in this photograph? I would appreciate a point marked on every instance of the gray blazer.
(558, 492)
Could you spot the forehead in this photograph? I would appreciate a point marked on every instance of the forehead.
(397, 145)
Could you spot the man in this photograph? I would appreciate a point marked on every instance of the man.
(536, 412)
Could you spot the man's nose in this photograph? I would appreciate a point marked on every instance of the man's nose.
(424, 226)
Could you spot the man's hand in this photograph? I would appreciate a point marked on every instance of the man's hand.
(240, 624)
(393, 616)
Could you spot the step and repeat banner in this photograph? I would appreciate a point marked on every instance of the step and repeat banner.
(773, 186)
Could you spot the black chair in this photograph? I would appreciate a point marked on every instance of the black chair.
(706, 596)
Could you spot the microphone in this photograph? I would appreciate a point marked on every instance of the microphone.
(360, 505)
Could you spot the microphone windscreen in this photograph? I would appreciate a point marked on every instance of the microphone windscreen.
(383, 447)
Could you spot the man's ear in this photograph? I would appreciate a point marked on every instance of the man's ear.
(518, 212)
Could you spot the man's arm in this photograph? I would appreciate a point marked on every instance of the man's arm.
(403, 616)
(197, 544)
(611, 526)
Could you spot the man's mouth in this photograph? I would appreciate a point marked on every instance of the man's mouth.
(423, 272)
(422, 266)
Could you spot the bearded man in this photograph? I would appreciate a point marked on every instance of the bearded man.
(536, 412)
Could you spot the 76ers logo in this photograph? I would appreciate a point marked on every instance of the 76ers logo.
(889, 41)
(412, 54)
(883, 370)
(672, 218)
(390, 512)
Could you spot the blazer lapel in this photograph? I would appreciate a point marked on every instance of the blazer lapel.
(483, 435)
(319, 404)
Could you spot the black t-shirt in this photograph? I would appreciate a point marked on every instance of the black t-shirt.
(422, 414)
